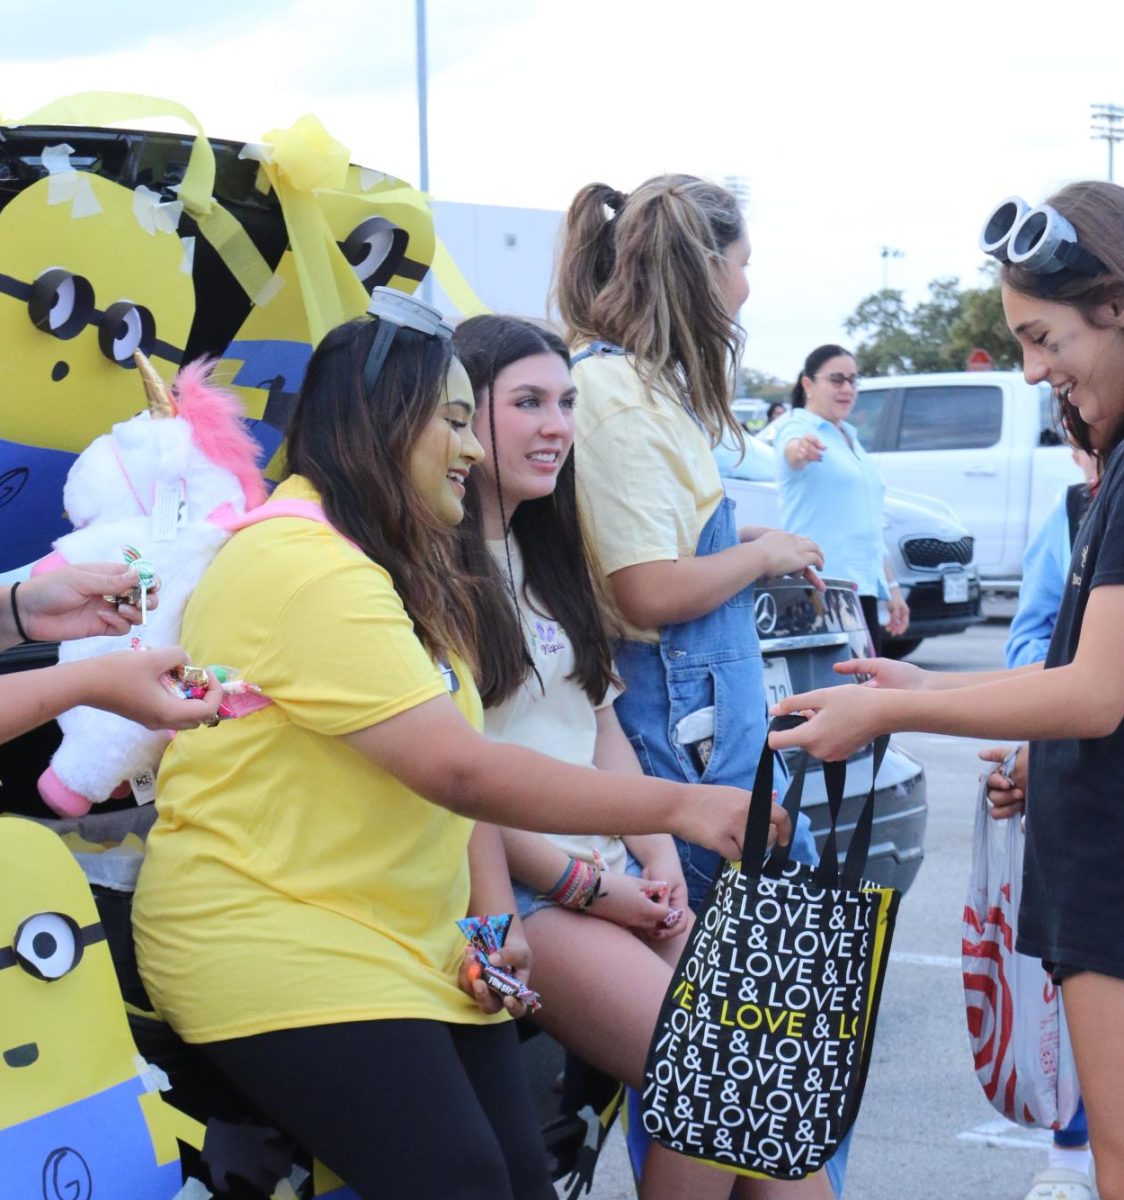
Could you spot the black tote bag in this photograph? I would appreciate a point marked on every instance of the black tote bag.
(764, 1038)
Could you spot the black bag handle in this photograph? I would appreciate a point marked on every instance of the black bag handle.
(756, 838)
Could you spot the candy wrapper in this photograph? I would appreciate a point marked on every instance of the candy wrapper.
(190, 683)
(147, 581)
(486, 935)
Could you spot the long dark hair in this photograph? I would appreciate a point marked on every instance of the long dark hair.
(1095, 209)
(640, 271)
(547, 531)
(812, 364)
(354, 448)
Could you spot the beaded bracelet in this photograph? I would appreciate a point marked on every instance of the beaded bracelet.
(579, 884)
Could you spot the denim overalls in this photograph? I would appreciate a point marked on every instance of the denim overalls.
(714, 660)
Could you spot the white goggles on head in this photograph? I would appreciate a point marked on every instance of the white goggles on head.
(397, 310)
(1039, 240)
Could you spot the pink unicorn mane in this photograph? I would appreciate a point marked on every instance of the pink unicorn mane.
(214, 416)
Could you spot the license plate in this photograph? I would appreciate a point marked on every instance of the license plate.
(778, 684)
(954, 588)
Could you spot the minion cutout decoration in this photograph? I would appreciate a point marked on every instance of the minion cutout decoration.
(113, 240)
(81, 1115)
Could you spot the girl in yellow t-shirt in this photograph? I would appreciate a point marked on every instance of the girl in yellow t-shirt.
(295, 915)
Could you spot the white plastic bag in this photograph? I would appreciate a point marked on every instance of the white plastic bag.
(1016, 1025)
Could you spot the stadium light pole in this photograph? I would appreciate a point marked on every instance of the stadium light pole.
(423, 127)
(887, 253)
(1108, 126)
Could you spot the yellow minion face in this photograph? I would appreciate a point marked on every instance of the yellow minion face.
(374, 231)
(89, 272)
(64, 1034)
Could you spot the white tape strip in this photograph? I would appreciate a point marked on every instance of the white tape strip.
(152, 1077)
(65, 185)
(193, 1190)
(153, 213)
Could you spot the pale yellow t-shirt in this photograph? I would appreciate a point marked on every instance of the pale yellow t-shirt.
(288, 881)
(647, 479)
(553, 716)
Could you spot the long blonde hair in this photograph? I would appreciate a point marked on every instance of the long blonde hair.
(641, 271)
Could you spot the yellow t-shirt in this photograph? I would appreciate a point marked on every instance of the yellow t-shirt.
(647, 479)
(550, 712)
(288, 881)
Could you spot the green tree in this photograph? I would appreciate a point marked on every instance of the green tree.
(762, 385)
(981, 325)
(938, 334)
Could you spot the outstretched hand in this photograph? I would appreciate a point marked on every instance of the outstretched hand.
(71, 602)
(715, 818)
(790, 553)
(840, 719)
(883, 673)
(128, 682)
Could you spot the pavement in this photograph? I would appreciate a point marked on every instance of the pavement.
(925, 1131)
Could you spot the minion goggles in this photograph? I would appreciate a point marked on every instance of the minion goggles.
(398, 310)
(1039, 240)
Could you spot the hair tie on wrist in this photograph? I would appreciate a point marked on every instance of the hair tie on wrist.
(20, 631)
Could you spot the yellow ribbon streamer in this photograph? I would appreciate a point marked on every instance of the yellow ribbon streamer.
(299, 161)
(455, 285)
(224, 232)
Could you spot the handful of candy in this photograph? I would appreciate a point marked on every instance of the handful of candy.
(190, 683)
(486, 935)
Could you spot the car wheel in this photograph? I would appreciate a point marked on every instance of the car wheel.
(901, 647)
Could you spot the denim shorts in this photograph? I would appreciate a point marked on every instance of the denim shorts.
(528, 901)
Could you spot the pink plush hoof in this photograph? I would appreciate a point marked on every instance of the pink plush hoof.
(57, 796)
(122, 791)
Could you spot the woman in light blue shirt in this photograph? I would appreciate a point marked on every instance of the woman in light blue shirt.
(830, 489)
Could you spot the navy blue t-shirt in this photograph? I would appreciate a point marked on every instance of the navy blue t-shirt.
(1072, 911)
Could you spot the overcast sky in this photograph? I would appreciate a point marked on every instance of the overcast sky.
(854, 126)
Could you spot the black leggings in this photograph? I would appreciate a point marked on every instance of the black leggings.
(401, 1107)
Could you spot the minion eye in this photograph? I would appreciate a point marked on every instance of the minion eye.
(61, 303)
(375, 248)
(48, 945)
(126, 327)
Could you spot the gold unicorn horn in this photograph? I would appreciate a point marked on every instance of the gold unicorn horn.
(160, 402)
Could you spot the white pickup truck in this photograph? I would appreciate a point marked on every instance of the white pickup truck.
(984, 442)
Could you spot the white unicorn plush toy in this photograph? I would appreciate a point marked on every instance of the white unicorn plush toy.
(162, 485)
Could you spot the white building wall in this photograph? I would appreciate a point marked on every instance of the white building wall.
(506, 254)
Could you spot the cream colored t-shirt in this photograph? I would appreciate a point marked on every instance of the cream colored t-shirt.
(647, 479)
(555, 716)
(289, 881)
